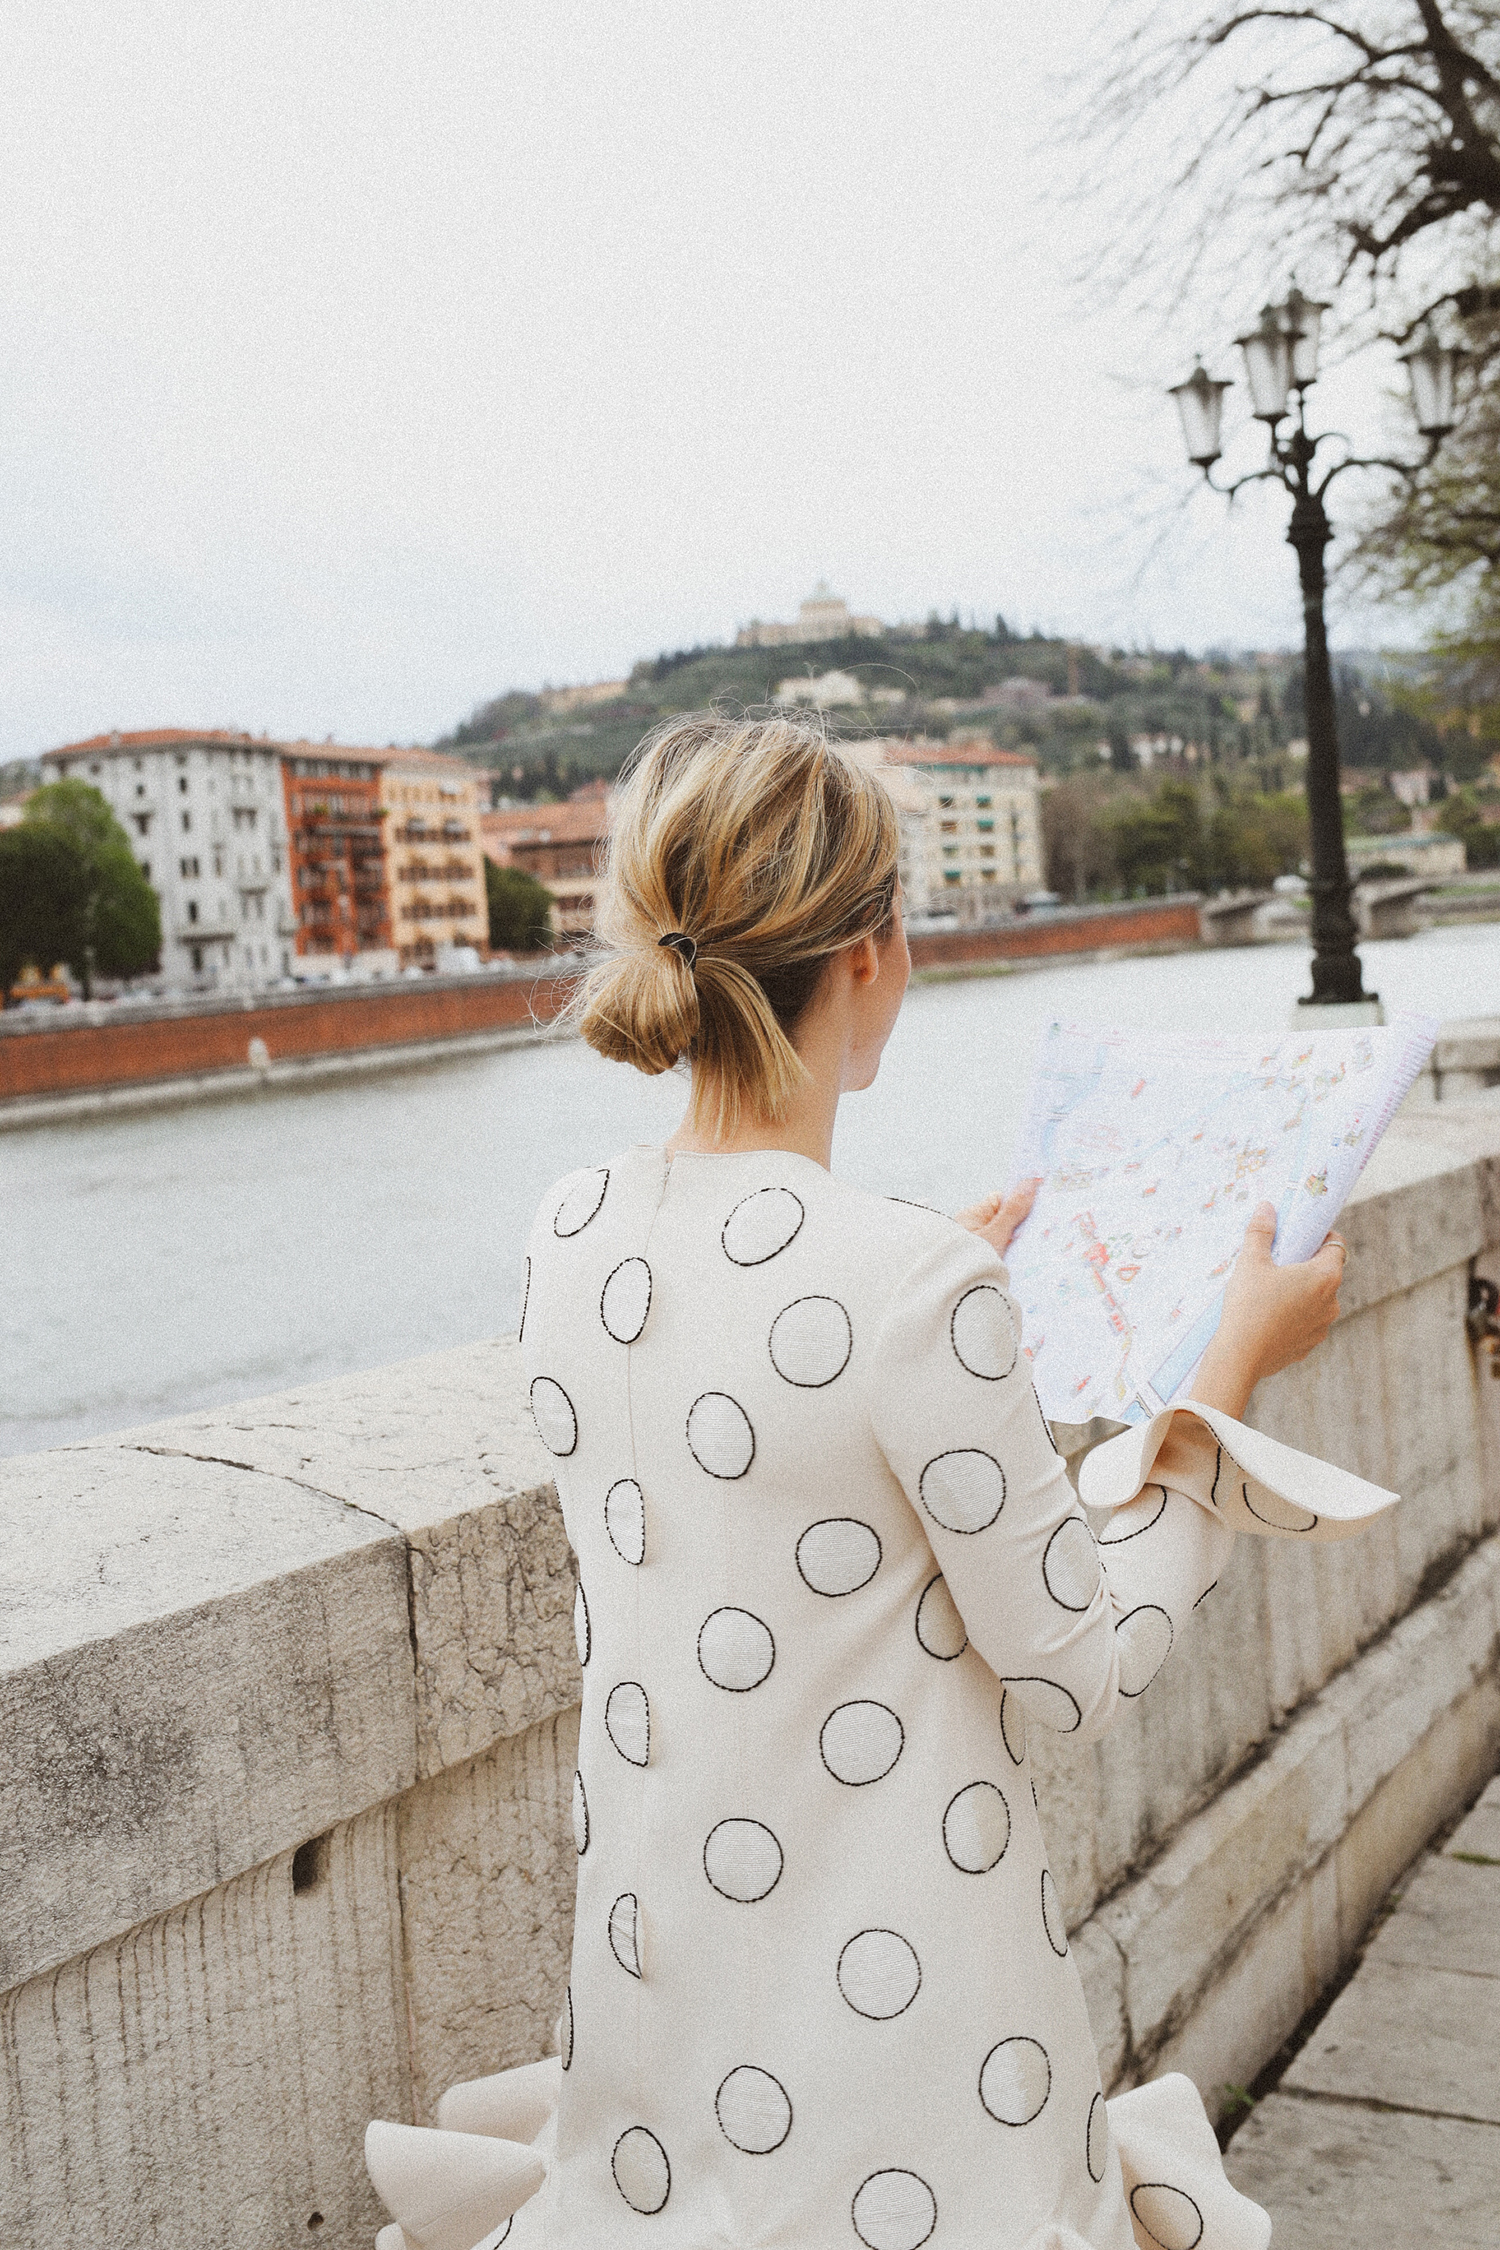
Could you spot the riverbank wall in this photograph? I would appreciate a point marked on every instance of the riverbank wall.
(289, 1708)
(85, 1059)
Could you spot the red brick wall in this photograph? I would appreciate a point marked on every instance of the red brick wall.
(76, 1057)
(72, 1058)
(1168, 922)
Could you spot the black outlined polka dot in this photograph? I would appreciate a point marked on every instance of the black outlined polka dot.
(860, 1742)
(940, 1629)
(1015, 2081)
(838, 1555)
(552, 1412)
(1168, 2215)
(1145, 1643)
(761, 1226)
(642, 2173)
(810, 1342)
(879, 1974)
(565, 2027)
(1052, 1916)
(581, 1203)
(1138, 1515)
(625, 1520)
(976, 1828)
(583, 1630)
(1013, 1727)
(580, 1815)
(1277, 1514)
(627, 1722)
(893, 2210)
(1046, 1701)
(625, 1933)
(1071, 1569)
(963, 1490)
(736, 1650)
(1096, 2139)
(625, 1300)
(983, 1334)
(525, 1301)
(742, 1860)
(720, 1437)
(754, 2110)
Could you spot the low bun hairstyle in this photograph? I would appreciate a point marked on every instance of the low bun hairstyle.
(771, 849)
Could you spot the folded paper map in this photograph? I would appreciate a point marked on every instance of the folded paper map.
(1152, 1153)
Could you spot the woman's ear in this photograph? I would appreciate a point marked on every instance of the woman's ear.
(864, 961)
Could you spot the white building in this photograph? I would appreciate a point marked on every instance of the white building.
(823, 617)
(826, 690)
(971, 829)
(207, 822)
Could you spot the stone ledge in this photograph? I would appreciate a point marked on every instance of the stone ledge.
(1208, 1960)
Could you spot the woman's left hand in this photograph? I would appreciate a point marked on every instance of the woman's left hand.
(996, 1217)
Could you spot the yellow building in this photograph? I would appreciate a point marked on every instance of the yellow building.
(434, 856)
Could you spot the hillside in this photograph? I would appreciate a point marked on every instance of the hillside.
(934, 682)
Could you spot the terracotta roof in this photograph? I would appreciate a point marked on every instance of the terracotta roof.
(335, 753)
(554, 824)
(978, 753)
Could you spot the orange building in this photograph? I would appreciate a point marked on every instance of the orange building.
(336, 836)
(435, 868)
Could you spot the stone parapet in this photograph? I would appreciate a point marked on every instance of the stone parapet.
(287, 1706)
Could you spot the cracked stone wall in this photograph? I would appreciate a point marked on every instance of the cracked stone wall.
(287, 1722)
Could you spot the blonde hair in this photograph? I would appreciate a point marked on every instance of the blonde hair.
(765, 848)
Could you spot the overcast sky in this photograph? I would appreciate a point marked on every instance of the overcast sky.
(360, 359)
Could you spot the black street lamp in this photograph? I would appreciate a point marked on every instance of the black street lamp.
(1281, 357)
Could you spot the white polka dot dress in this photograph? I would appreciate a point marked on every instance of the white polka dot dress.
(831, 1572)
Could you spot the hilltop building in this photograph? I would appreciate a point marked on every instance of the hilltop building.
(203, 810)
(434, 853)
(823, 617)
(971, 829)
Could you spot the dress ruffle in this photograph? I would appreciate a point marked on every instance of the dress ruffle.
(457, 2186)
(1246, 1480)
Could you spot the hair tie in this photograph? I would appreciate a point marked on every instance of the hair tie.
(678, 942)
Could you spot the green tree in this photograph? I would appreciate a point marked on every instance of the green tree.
(44, 885)
(121, 928)
(1159, 840)
(1461, 817)
(520, 909)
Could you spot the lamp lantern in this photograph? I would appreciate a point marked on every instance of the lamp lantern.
(1432, 369)
(1200, 404)
(1268, 366)
(1301, 321)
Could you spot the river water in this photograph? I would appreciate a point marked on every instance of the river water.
(188, 1257)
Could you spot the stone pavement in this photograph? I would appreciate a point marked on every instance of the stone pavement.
(1384, 2133)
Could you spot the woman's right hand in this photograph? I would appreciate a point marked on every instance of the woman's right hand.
(1273, 1315)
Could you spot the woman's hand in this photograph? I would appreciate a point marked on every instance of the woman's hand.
(1273, 1315)
(996, 1217)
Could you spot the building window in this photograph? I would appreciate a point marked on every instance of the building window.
(950, 875)
(197, 957)
(189, 867)
(984, 803)
(143, 822)
(187, 822)
(146, 869)
(192, 906)
(986, 828)
(182, 782)
(986, 851)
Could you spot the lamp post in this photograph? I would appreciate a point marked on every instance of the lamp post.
(1281, 358)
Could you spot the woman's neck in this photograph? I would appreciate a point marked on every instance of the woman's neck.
(805, 1130)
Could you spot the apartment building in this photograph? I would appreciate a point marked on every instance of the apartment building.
(205, 817)
(562, 846)
(434, 852)
(336, 832)
(971, 831)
